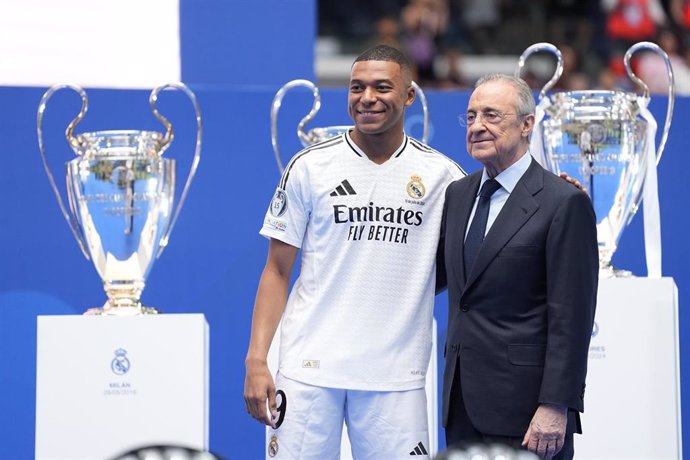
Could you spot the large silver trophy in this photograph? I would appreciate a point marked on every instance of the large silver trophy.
(321, 134)
(120, 193)
(605, 139)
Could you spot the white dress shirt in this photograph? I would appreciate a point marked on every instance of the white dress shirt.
(508, 178)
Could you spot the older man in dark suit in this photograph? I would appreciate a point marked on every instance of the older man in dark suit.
(519, 249)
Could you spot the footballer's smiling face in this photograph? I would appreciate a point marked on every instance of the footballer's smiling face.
(377, 97)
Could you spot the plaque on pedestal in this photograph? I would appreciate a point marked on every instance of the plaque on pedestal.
(632, 403)
(105, 385)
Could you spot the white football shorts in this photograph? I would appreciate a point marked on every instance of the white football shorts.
(381, 425)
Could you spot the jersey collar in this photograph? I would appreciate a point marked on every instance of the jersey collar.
(360, 153)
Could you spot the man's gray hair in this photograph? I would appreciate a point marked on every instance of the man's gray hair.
(525, 102)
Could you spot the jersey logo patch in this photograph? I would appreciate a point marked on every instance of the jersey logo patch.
(311, 364)
(279, 203)
(415, 188)
(344, 189)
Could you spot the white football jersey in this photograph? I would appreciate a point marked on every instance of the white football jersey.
(360, 314)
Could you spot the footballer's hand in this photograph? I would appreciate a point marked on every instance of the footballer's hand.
(259, 388)
(575, 182)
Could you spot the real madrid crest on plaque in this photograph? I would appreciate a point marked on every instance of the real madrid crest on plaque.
(415, 188)
(120, 364)
(273, 446)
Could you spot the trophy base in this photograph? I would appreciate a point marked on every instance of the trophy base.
(109, 310)
(608, 271)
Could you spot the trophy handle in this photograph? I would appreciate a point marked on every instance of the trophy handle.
(645, 89)
(537, 47)
(69, 133)
(425, 112)
(153, 98)
(275, 107)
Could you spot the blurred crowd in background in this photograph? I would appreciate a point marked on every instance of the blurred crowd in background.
(592, 35)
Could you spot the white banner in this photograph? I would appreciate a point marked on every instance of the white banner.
(93, 43)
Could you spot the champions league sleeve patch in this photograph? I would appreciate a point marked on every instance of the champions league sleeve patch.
(279, 203)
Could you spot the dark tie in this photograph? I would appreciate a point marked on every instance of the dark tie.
(475, 236)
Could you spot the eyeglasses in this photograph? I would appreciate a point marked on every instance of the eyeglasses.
(491, 117)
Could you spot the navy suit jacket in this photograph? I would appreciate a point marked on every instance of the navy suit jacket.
(520, 322)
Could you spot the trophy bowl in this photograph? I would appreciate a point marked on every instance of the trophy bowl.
(605, 139)
(598, 138)
(120, 192)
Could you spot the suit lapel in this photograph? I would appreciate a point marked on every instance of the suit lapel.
(518, 209)
(463, 210)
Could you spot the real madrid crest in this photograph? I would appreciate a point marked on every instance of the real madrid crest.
(415, 188)
(120, 364)
(273, 446)
(279, 203)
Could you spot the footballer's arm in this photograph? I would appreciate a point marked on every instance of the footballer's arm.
(269, 305)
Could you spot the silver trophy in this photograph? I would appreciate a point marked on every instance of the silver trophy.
(120, 193)
(605, 139)
(321, 134)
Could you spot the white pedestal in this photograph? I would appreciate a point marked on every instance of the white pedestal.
(105, 385)
(431, 399)
(632, 402)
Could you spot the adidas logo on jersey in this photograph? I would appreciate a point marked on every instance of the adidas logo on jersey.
(343, 189)
(419, 450)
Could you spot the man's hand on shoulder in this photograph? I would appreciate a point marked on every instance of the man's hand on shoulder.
(546, 431)
(575, 182)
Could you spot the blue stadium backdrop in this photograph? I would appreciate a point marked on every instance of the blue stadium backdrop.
(235, 56)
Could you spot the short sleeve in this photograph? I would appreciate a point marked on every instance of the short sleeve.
(288, 213)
